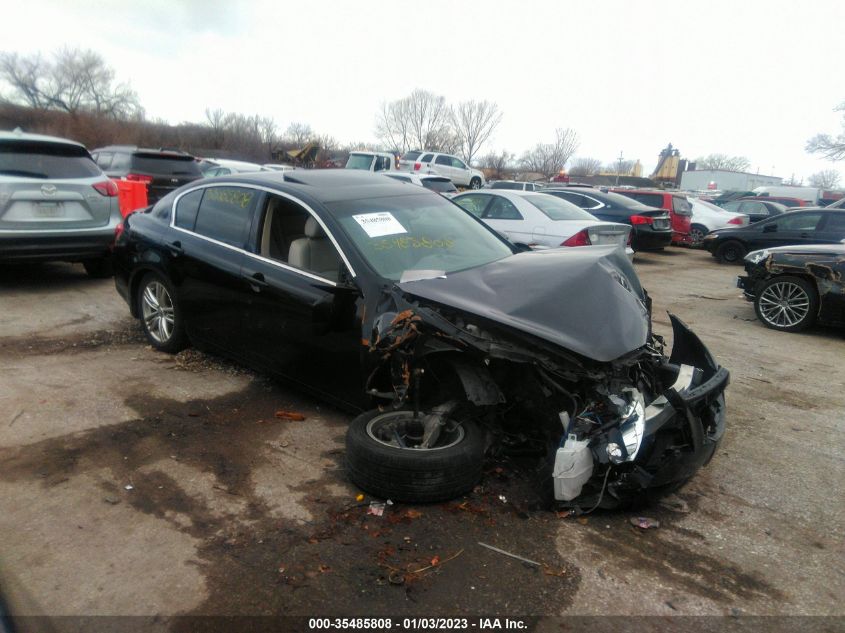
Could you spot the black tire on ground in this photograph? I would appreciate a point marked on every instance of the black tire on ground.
(730, 252)
(801, 303)
(99, 268)
(697, 233)
(475, 183)
(414, 476)
(165, 339)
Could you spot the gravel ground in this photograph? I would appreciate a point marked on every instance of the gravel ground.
(136, 483)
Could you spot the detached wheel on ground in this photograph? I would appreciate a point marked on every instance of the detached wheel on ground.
(697, 233)
(161, 318)
(99, 268)
(730, 252)
(787, 303)
(382, 457)
(475, 183)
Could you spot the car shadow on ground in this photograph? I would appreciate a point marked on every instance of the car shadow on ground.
(43, 276)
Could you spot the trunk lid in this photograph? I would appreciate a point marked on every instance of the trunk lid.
(50, 186)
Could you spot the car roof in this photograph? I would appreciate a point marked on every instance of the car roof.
(328, 185)
(18, 135)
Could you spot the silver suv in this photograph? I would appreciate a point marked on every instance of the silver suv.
(55, 203)
(441, 164)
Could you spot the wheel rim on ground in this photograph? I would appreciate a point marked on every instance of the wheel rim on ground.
(784, 304)
(697, 236)
(399, 429)
(158, 313)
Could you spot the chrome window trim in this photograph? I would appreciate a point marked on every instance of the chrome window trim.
(275, 192)
(276, 263)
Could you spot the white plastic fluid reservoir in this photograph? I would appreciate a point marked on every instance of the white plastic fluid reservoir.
(573, 468)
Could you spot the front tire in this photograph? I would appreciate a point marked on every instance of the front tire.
(787, 303)
(380, 466)
(730, 252)
(161, 317)
(475, 183)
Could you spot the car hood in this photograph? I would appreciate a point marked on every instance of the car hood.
(587, 300)
(808, 249)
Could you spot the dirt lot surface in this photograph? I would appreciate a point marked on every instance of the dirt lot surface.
(133, 482)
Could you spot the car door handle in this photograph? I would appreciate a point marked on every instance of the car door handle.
(256, 281)
(805, 235)
(176, 247)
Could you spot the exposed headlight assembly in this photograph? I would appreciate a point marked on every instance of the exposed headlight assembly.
(755, 257)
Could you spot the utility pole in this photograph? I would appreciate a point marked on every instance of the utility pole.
(619, 168)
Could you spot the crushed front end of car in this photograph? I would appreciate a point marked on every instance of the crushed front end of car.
(571, 377)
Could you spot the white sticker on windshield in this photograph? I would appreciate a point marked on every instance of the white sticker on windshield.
(379, 224)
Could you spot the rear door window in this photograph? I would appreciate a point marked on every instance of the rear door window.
(835, 222)
(798, 221)
(186, 209)
(501, 209)
(46, 161)
(225, 214)
(443, 160)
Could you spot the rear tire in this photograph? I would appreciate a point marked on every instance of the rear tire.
(99, 268)
(786, 303)
(161, 317)
(730, 252)
(412, 475)
(475, 183)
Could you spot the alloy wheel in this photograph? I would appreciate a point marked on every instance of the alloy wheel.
(158, 312)
(400, 429)
(784, 304)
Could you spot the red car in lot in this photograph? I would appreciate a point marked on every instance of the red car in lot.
(679, 208)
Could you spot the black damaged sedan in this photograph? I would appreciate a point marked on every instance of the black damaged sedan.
(393, 301)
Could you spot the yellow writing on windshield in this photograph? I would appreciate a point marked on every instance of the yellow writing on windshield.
(412, 242)
(236, 197)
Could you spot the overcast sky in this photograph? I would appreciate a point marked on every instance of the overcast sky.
(749, 78)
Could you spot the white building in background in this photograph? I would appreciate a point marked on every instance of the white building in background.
(724, 180)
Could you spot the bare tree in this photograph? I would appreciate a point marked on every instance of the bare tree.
(299, 134)
(267, 132)
(422, 120)
(585, 166)
(550, 158)
(722, 161)
(825, 179)
(499, 164)
(473, 123)
(829, 146)
(74, 81)
(619, 167)
(216, 121)
(393, 126)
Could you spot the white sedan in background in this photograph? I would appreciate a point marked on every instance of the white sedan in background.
(538, 220)
(707, 217)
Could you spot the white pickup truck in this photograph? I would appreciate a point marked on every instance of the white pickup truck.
(371, 161)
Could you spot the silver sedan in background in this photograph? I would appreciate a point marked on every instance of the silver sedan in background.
(538, 220)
